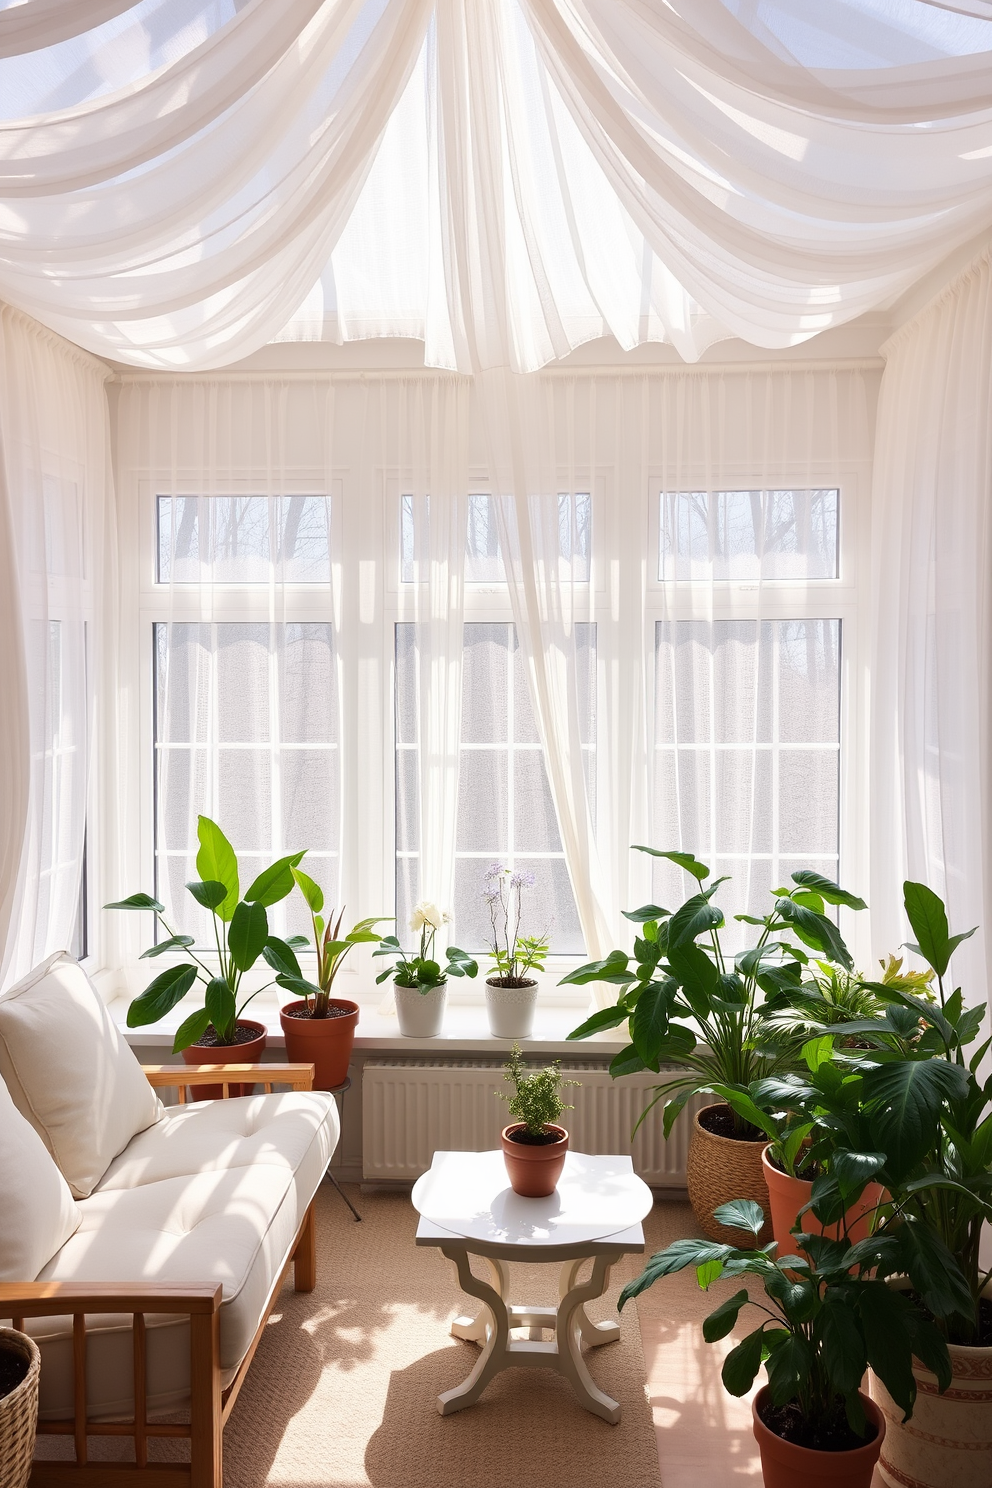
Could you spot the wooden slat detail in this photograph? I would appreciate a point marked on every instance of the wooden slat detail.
(120, 1474)
(79, 1384)
(140, 1341)
(49, 1298)
(114, 1428)
(178, 1076)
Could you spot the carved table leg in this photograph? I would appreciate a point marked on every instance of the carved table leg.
(495, 1328)
(592, 1334)
(573, 1325)
(476, 1330)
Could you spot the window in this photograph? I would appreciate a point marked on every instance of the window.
(483, 556)
(241, 539)
(748, 693)
(246, 731)
(505, 809)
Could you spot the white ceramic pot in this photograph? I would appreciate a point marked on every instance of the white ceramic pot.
(420, 1013)
(947, 1442)
(511, 1009)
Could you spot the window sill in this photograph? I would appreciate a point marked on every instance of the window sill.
(466, 1030)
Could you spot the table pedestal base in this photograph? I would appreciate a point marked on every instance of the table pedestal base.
(571, 1328)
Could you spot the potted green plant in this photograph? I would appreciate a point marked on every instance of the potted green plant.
(511, 992)
(930, 1105)
(215, 1033)
(20, 1372)
(534, 1145)
(420, 983)
(320, 1028)
(692, 1006)
(827, 1316)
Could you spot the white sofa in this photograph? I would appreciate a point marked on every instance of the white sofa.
(115, 1204)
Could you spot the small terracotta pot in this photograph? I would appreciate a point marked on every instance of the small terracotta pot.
(326, 1043)
(784, 1465)
(788, 1195)
(249, 1053)
(533, 1170)
(719, 1169)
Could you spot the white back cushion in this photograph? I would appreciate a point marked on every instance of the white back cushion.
(70, 1072)
(37, 1212)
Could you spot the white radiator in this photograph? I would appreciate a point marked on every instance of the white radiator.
(412, 1108)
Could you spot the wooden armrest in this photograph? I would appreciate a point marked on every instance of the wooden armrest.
(50, 1298)
(172, 1076)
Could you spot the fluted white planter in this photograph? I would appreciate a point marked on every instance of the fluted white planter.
(511, 1009)
(420, 1014)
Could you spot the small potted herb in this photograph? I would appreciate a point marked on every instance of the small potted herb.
(534, 1145)
(511, 992)
(828, 1315)
(420, 983)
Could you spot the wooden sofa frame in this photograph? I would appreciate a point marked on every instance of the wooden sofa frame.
(210, 1406)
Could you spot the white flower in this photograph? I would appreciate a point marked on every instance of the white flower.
(426, 913)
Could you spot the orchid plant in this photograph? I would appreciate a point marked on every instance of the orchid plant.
(514, 956)
(423, 972)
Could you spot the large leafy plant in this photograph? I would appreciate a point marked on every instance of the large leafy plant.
(330, 944)
(691, 1005)
(241, 935)
(829, 1313)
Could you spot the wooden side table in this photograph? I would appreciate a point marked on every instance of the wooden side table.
(467, 1208)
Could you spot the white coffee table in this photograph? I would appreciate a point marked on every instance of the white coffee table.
(467, 1207)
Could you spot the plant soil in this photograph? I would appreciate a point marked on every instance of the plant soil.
(719, 1120)
(983, 1336)
(534, 1139)
(13, 1368)
(511, 981)
(245, 1034)
(834, 1435)
(334, 1010)
(809, 1173)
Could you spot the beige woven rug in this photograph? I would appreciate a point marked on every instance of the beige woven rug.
(342, 1392)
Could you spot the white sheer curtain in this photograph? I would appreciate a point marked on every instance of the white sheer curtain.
(55, 490)
(505, 178)
(931, 790)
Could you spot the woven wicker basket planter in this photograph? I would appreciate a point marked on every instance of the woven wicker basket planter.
(19, 1413)
(719, 1169)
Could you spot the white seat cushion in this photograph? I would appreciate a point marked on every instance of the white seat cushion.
(70, 1072)
(260, 1160)
(37, 1211)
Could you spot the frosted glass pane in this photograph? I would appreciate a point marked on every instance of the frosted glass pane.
(244, 539)
(308, 685)
(406, 683)
(550, 905)
(407, 801)
(535, 826)
(808, 800)
(485, 681)
(244, 797)
(744, 800)
(310, 797)
(183, 783)
(744, 536)
(483, 554)
(808, 680)
(407, 895)
(482, 801)
(483, 558)
(241, 655)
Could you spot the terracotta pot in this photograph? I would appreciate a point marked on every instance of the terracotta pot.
(420, 1014)
(784, 1465)
(533, 1171)
(510, 1009)
(788, 1195)
(719, 1169)
(947, 1442)
(326, 1043)
(249, 1053)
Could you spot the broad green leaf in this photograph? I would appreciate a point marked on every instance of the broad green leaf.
(281, 956)
(174, 942)
(797, 1298)
(274, 882)
(627, 1062)
(696, 916)
(818, 1051)
(925, 912)
(707, 1273)
(720, 1322)
(312, 892)
(742, 1363)
(788, 1367)
(649, 1023)
(741, 1214)
(646, 913)
(930, 1346)
(885, 1321)
(191, 1030)
(210, 895)
(137, 901)
(675, 1107)
(219, 1003)
(741, 1102)
(216, 861)
(682, 859)
(817, 931)
(299, 985)
(843, 1346)
(161, 995)
(247, 935)
(905, 1100)
(934, 1272)
(854, 1169)
(611, 1017)
(827, 889)
(614, 969)
(696, 974)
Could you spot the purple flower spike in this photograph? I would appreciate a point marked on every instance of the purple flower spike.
(523, 881)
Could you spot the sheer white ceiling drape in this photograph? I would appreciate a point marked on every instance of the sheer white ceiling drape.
(505, 178)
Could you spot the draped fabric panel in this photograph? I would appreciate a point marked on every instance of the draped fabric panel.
(55, 486)
(179, 183)
(931, 790)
